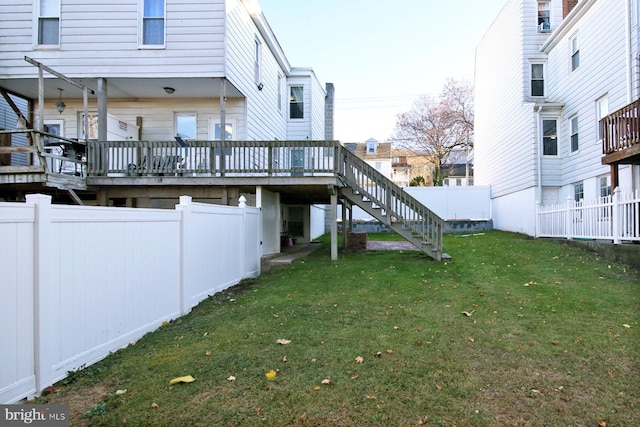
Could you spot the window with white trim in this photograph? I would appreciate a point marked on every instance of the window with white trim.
(605, 185)
(602, 111)
(575, 53)
(578, 191)
(296, 102)
(573, 127)
(544, 16)
(186, 125)
(48, 22)
(537, 79)
(153, 22)
(550, 137)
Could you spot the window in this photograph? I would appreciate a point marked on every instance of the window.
(573, 125)
(537, 79)
(378, 165)
(296, 102)
(228, 131)
(602, 106)
(186, 125)
(575, 53)
(257, 60)
(544, 17)
(605, 186)
(49, 22)
(578, 192)
(549, 138)
(153, 22)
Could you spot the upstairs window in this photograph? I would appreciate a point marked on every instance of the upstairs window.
(573, 125)
(544, 17)
(537, 79)
(549, 138)
(49, 22)
(296, 102)
(153, 20)
(575, 53)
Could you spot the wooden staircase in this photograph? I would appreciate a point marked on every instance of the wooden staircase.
(377, 195)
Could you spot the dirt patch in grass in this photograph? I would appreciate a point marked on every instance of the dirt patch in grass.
(80, 400)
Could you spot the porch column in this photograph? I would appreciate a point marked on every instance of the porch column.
(614, 175)
(102, 125)
(344, 224)
(334, 225)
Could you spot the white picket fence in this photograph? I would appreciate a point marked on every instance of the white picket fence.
(78, 282)
(615, 218)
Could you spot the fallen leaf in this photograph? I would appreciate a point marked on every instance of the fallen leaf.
(371, 398)
(303, 417)
(185, 379)
(471, 339)
(467, 313)
(610, 374)
(602, 423)
(396, 327)
(231, 378)
(389, 351)
(284, 359)
(379, 354)
(154, 405)
(283, 341)
(555, 342)
(316, 388)
(118, 392)
(355, 377)
(419, 343)
(208, 353)
(438, 386)
(326, 381)
(359, 359)
(626, 326)
(271, 374)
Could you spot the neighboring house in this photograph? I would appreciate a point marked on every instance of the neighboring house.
(408, 165)
(376, 154)
(458, 172)
(157, 69)
(547, 72)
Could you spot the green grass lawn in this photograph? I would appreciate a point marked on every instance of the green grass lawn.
(380, 339)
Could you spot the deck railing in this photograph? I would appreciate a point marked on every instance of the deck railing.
(621, 129)
(212, 158)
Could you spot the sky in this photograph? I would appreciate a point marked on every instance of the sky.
(381, 55)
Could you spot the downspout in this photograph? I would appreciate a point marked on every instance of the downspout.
(538, 142)
(628, 52)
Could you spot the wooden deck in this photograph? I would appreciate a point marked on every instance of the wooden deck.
(621, 135)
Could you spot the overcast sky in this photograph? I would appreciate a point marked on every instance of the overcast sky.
(380, 54)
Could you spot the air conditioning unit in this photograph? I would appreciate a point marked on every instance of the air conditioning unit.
(545, 27)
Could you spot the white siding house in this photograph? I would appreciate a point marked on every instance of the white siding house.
(546, 72)
(214, 56)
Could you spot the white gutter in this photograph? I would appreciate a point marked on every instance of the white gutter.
(628, 52)
(567, 24)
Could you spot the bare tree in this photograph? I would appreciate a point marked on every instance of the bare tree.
(439, 127)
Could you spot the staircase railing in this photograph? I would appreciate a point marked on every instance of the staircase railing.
(396, 204)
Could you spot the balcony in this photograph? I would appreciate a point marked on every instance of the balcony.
(621, 135)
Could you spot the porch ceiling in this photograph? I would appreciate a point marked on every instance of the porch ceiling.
(130, 88)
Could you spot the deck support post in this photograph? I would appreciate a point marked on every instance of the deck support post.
(334, 224)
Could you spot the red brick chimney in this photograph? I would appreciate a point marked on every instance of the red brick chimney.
(567, 6)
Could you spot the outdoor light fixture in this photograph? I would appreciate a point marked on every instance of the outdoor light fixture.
(169, 90)
(60, 105)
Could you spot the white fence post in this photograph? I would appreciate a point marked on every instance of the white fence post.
(45, 327)
(185, 207)
(242, 203)
(569, 218)
(615, 216)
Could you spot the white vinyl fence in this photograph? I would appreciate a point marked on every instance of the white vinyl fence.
(615, 218)
(78, 282)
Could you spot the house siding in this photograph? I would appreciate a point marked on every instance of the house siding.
(503, 153)
(266, 120)
(99, 38)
